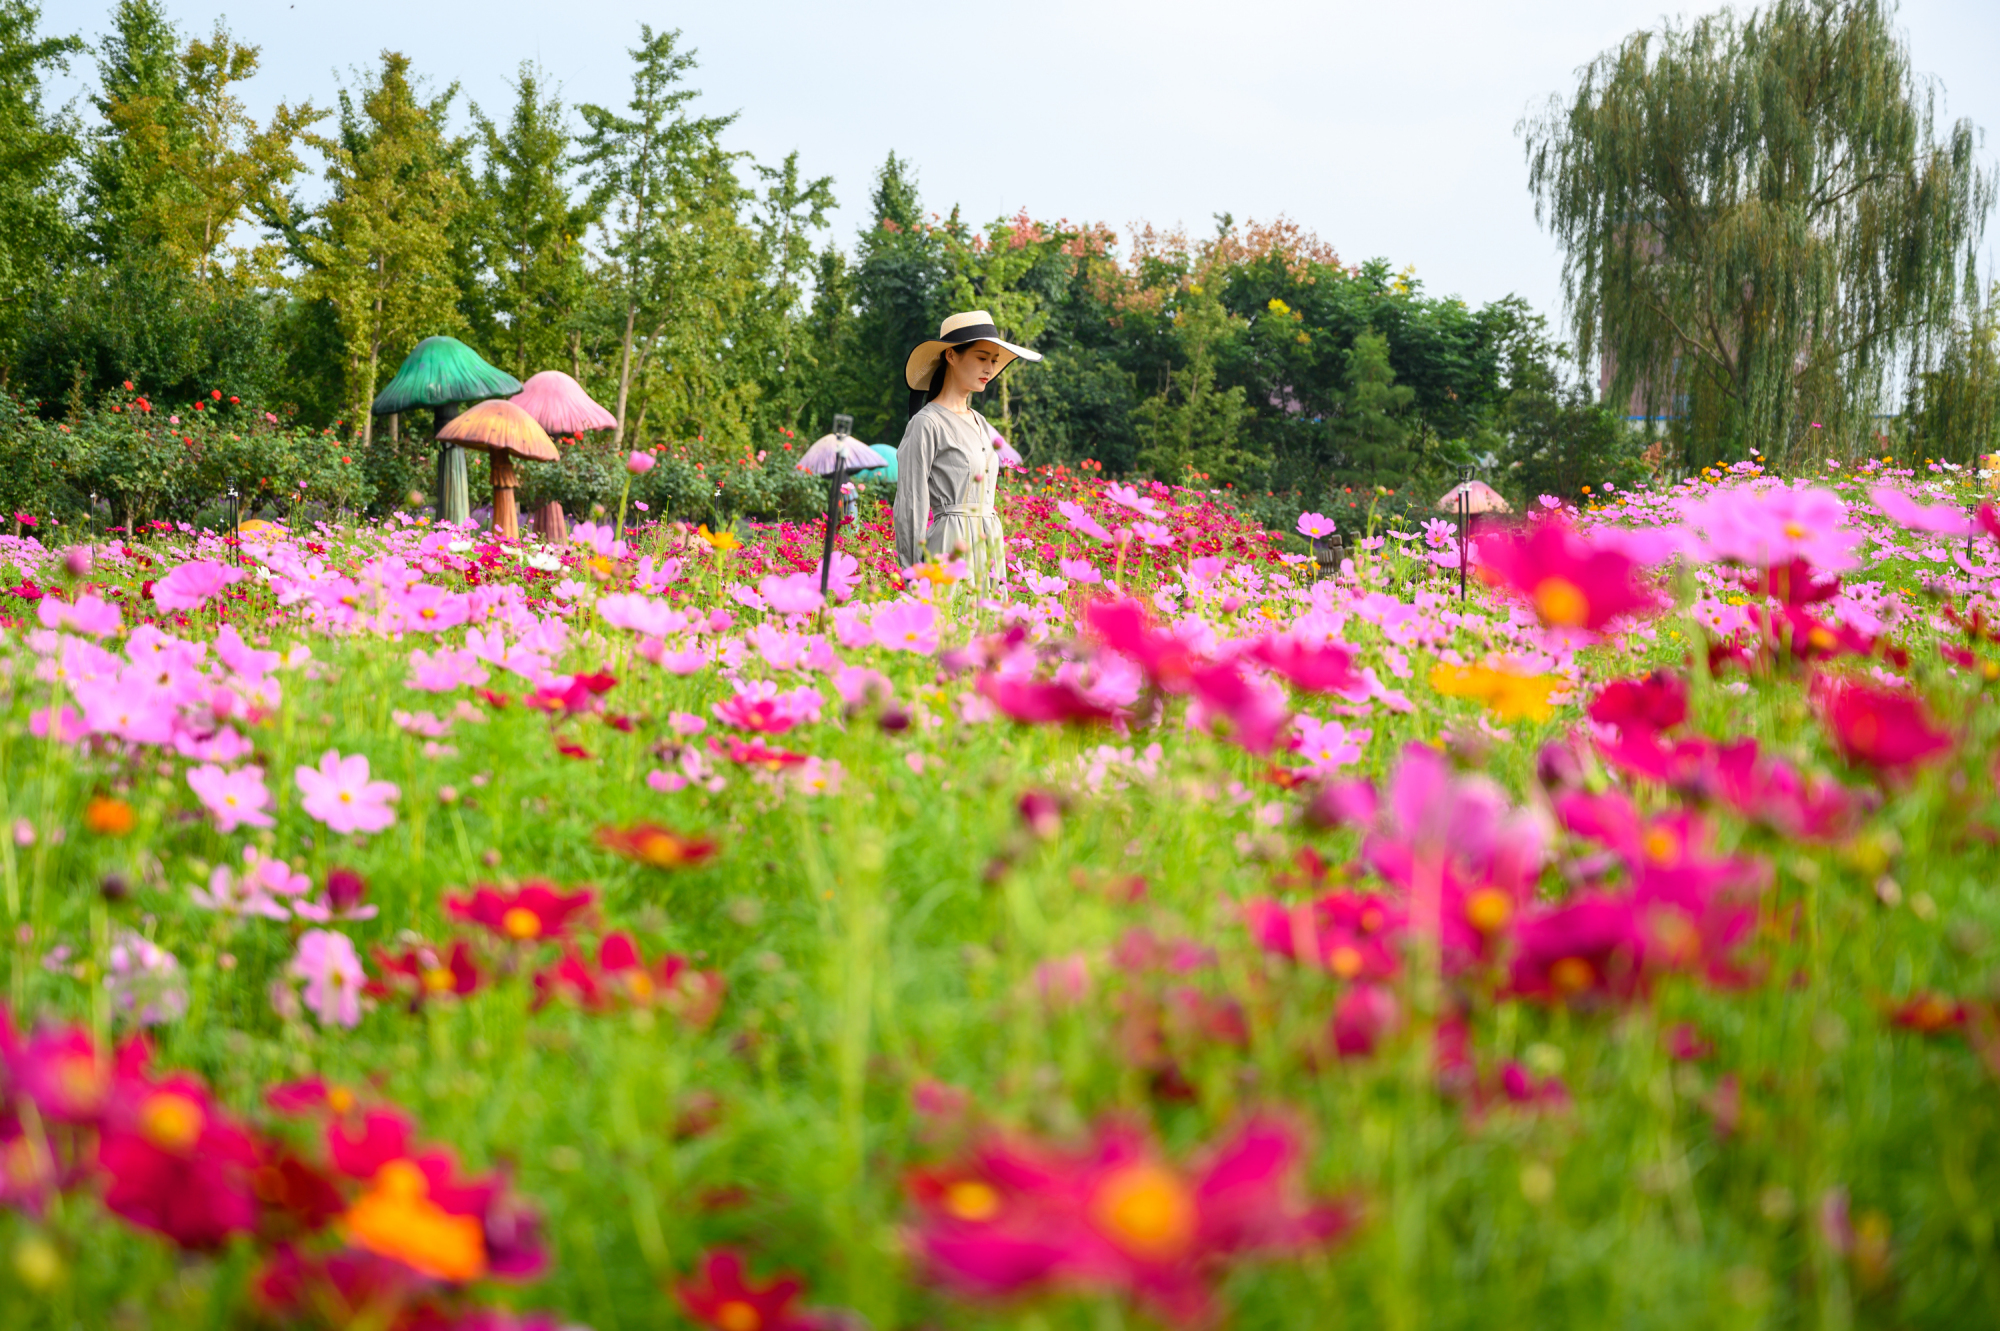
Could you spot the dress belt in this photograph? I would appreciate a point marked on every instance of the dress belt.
(963, 511)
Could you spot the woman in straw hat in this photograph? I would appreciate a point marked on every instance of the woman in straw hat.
(948, 465)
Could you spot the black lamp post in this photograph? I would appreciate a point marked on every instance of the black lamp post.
(843, 424)
(1464, 525)
(236, 523)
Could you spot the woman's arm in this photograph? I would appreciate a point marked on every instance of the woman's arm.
(913, 491)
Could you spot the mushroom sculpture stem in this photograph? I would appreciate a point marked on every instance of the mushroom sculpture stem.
(506, 479)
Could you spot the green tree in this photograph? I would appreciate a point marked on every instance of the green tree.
(1370, 441)
(898, 293)
(529, 232)
(191, 164)
(1192, 430)
(786, 215)
(1954, 412)
(35, 148)
(380, 250)
(662, 178)
(138, 64)
(1759, 217)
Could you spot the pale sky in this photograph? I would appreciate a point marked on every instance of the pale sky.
(1387, 128)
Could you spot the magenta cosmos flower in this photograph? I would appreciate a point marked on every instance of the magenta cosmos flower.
(1571, 583)
(339, 794)
(1019, 1217)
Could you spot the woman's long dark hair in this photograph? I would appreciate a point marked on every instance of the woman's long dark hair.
(920, 397)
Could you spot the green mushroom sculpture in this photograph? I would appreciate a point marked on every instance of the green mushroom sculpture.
(443, 373)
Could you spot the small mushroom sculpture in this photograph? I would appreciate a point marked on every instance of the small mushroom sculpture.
(442, 372)
(505, 432)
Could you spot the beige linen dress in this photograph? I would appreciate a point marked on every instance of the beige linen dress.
(947, 471)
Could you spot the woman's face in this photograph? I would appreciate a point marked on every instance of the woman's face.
(972, 367)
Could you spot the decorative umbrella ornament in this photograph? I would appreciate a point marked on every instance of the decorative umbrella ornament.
(440, 373)
(1478, 497)
(506, 432)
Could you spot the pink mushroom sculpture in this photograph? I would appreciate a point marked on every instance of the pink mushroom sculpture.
(560, 406)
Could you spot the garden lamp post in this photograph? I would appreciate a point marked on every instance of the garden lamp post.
(441, 373)
(236, 523)
(835, 455)
(1464, 525)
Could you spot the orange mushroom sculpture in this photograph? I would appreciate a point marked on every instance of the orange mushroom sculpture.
(504, 432)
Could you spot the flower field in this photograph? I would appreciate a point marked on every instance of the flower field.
(407, 930)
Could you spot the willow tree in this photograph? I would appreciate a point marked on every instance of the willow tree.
(1762, 222)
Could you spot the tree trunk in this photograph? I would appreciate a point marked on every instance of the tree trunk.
(624, 376)
(368, 404)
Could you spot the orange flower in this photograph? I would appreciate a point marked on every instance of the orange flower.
(397, 1218)
(109, 817)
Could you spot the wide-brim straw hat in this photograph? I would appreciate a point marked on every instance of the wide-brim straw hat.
(961, 330)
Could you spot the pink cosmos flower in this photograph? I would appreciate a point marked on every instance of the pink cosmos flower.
(1315, 525)
(90, 614)
(1772, 525)
(1127, 497)
(793, 594)
(641, 614)
(907, 626)
(237, 799)
(1080, 570)
(640, 463)
(191, 585)
(1328, 746)
(326, 961)
(339, 794)
(759, 706)
(1153, 534)
(1076, 517)
(445, 670)
(1905, 512)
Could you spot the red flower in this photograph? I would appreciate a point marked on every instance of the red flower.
(1877, 728)
(1929, 1013)
(1571, 584)
(176, 1165)
(653, 845)
(1587, 950)
(1658, 701)
(420, 974)
(720, 1297)
(535, 911)
(756, 753)
(622, 976)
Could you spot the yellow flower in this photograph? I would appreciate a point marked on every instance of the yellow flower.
(1507, 695)
(937, 575)
(1276, 306)
(722, 542)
